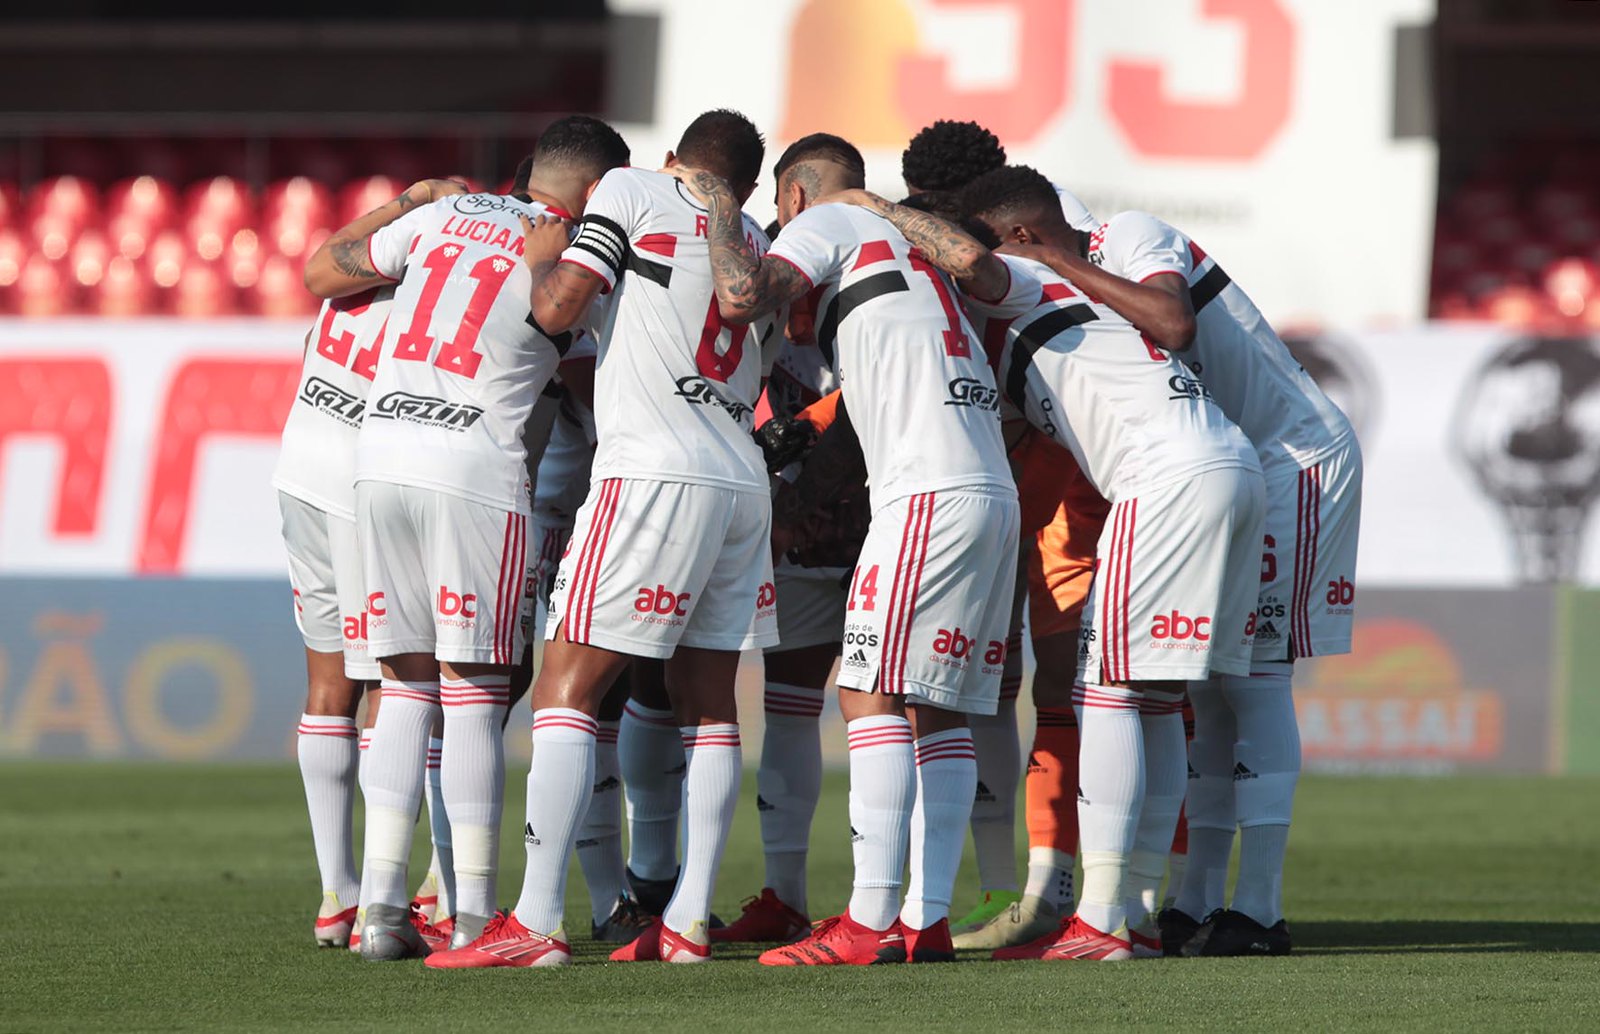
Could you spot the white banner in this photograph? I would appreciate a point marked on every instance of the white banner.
(1263, 128)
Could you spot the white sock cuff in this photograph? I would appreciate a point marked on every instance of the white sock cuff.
(328, 725)
(366, 739)
(493, 690)
(879, 730)
(422, 692)
(698, 737)
(435, 753)
(649, 715)
(782, 699)
(563, 725)
(606, 732)
(949, 745)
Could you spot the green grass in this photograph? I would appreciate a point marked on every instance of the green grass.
(180, 898)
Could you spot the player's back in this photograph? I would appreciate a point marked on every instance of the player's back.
(1132, 415)
(462, 361)
(317, 458)
(917, 388)
(675, 387)
(1236, 353)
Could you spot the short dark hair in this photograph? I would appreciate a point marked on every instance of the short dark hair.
(772, 230)
(1012, 190)
(942, 203)
(823, 147)
(948, 155)
(582, 142)
(726, 143)
(519, 179)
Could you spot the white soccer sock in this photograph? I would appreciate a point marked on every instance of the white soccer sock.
(600, 836)
(1267, 767)
(473, 779)
(713, 765)
(947, 775)
(883, 790)
(1110, 796)
(560, 785)
(650, 754)
(396, 774)
(788, 786)
(994, 805)
(1050, 875)
(364, 751)
(443, 862)
(1165, 779)
(327, 748)
(1210, 802)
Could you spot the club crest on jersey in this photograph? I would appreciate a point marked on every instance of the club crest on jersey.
(969, 391)
(332, 400)
(698, 391)
(424, 409)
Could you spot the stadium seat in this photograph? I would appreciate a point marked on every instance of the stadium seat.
(125, 290)
(363, 195)
(165, 259)
(293, 212)
(68, 198)
(203, 291)
(281, 292)
(1570, 284)
(90, 255)
(10, 206)
(14, 250)
(43, 288)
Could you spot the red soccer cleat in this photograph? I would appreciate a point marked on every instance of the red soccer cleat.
(435, 935)
(1144, 945)
(505, 942)
(659, 943)
(929, 945)
(841, 941)
(334, 924)
(1076, 940)
(765, 919)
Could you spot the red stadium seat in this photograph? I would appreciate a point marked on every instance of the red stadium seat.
(1482, 199)
(43, 288)
(68, 198)
(90, 255)
(213, 212)
(164, 261)
(362, 196)
(53, 234)
(1558, 202)
(14, 251)
(243, 259)
(144, 199)
(281, 292)
(203, 291)
(10, 206)
(293, 212)
(125, 290)
(1516, 306)
(1570, 285)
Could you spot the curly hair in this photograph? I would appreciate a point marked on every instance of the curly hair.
(1010, 190)
(948, 155)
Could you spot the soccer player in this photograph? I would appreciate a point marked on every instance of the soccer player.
(1176, 558)
(669, 558)
(1246, 753)
(442, 501)
(316, 497)
(927, 607)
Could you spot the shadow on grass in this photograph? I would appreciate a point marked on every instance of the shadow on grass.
(1444, 936)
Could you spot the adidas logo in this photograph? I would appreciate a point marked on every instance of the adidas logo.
(529, 836)
(608, 783)
(855, 838)
(1240, 772)
(857, 659)
(1267, 630)
(763, 805)
(984, 793)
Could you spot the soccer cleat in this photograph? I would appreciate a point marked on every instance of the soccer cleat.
(841, 941)
(1229, 933)
(389, 933)
(1075, 939)
(1176, 928)
(658, 943)
(506, 942)
(464, 928)
(764, 919)
(654, 895)
(435, 935)
(1144, 945)
(1022, 921)
(626, 922)
(929, 945)
(334, 923)
(995, 903)
(426, 899)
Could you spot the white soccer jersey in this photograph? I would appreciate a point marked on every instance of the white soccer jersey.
(462, 360)
(1236, 353)
(918, 391)
(801, 374)
(317, 459)
(1076, 212)
(1132, 415)
(675, 388)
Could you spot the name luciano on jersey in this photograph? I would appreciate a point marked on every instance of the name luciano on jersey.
(698, 391)
(424, 409)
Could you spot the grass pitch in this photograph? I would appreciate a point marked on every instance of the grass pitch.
(181, 898)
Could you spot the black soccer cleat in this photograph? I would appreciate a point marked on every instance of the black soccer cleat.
(1176, 928)
(652, 896)
(1227, 933)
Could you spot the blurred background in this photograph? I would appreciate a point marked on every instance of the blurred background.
(1410, 190)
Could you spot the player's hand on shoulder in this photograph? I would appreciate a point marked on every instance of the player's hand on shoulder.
(427, 191)
(702, 184)
(854, 196)
(544, 238)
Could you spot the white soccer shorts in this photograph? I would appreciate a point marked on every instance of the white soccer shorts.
(931, 598)
(810, 606)
(325, 574)
(445, 576)
(1175, 582)
(1308, 567)
(655, 564)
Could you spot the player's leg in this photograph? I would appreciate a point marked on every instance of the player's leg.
(994, 805)
(614, 916)
(435, 896)
(650, 757)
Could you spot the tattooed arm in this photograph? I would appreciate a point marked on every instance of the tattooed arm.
(343, 265)
(976, 269)
(747, 287)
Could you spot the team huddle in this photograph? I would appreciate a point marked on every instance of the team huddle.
(878, 442)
